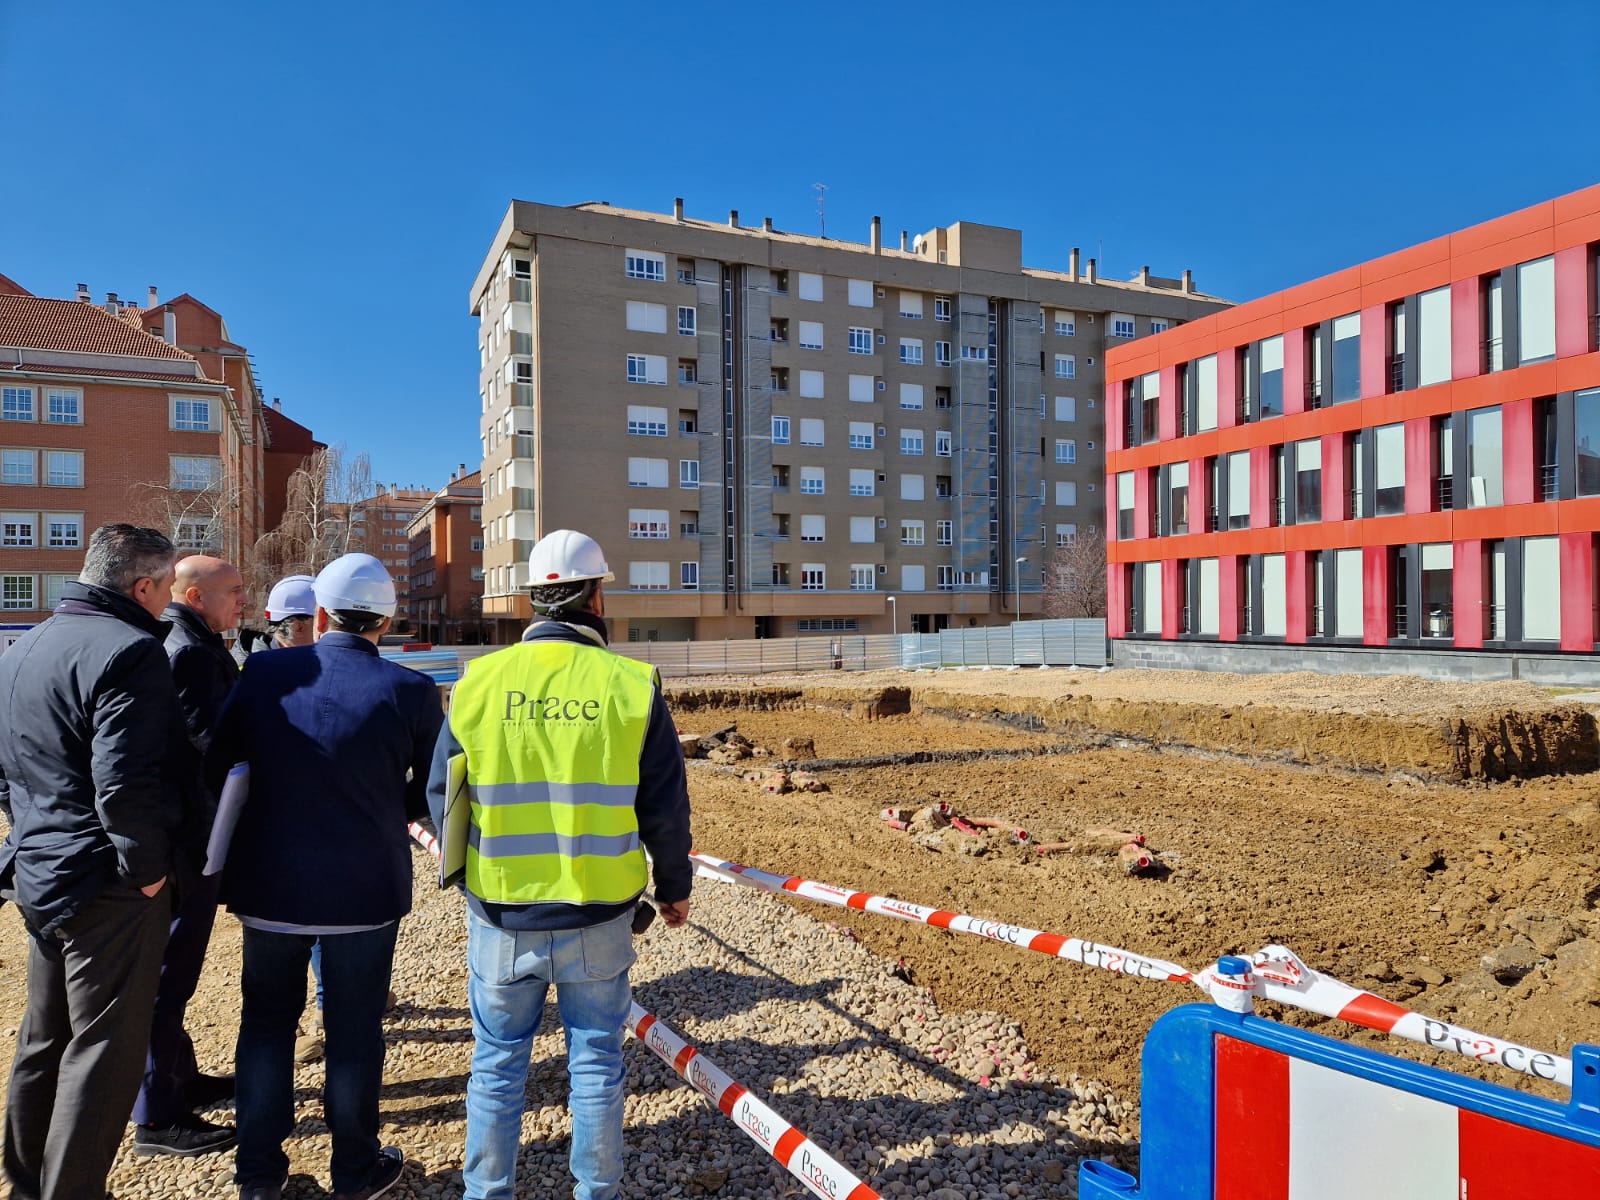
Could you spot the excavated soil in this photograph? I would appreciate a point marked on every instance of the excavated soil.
(1390, 725)
(1395, 883)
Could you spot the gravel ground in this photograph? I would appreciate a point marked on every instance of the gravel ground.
(911, 1098)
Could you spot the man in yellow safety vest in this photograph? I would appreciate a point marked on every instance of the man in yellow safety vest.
(572, 769)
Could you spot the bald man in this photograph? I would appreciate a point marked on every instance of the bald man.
(208, 597)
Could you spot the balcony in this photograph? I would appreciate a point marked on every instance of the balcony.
(1549, 481)
(523, 445)
(1445, 492)
(1313, 393)
(1397, 373)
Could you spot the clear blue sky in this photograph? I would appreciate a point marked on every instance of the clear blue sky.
(328, 175)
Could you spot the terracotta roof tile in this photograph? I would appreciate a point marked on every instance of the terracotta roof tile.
(36, 323)
(183, 374)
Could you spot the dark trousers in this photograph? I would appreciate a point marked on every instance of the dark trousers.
(355, 980)
(170, 1066)
(91, 987)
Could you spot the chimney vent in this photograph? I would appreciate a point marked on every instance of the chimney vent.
(83, 293)
(277, 404)
(1188, 281)
(733, 218)
(153, 299)
(1072, 264)
(463, 468)
(1089, 273)
(877, 235)
(112, 304)
(904, 234)
(1144, 276)
(677, 208)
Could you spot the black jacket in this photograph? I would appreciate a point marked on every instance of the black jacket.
(203, 670)
(92, 736)
(329, 732)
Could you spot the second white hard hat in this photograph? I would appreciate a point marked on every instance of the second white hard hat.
(292, 596)
(356, 583)
(566, 556)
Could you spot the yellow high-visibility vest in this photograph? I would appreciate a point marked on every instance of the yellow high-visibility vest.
(552, 732)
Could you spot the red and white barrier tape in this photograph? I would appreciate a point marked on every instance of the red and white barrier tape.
(423, 838)
(1090, 954)
(798, 1154)
(1279, 975)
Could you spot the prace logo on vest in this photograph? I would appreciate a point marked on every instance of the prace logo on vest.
(519, 707)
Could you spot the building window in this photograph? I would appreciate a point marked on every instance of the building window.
(811, 481)
(863, 530)
(811, 335)
(1067, 494)
(1121, 325)
(644, 317)
(945, 578)
(647, 368)
(644, 421)
(1308, 481)
(647, 472)
(19, 529)
(1438, 596)
(975, 353)
(813, 528)
(1433, 337)
(1271, 403)
(1541, 589)
(1485, 458)
(1347, 358)
(780, 431)
(1066, 450)
(941, 354)
(911, 487)
(689, 576)
(1536, 311)
(911, 441)
(1124, 506)
(63, 406)
(647, 576)
(1066, 366)
(64, 468)
(199, 536)
(1238, 467)
(17, 466)
(912, 533)
(862, 482)
(16, 404)
(911, 305)
(944, 532)
(863, 577)
(859, 292)
(861, 435)
(1494, 326)
(1205, 375)
(860, 340)
(911, 396)
(55, 588)
(64, 531)
(811, 432)
(688, 371)
(780, 479)
(1178, 498)
(1586, 440)
(942, 443)
(1066, 324)
(688, 472)
(686, 320)
(1157, 325)
(810, 286)
(941, 308)
(645, 264)
(688, 424)
(689, 527)
(911, 351)
(813, 577)
(813, 385)
(16, 592)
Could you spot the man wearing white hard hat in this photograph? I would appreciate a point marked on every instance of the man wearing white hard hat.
(321, 854)
(573, 770)
(290, 606)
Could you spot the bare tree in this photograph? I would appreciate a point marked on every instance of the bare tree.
(324, 517)
(1075, 579)
(197, 508)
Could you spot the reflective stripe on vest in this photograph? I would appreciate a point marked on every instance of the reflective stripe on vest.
(552, 732)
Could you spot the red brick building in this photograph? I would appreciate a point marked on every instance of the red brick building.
(288, 445)
(1405, 454)
(105, 415)
(446, 563)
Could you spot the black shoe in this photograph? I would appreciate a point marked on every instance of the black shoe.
(384, 1176)
(208, 1091)
(188, 1138)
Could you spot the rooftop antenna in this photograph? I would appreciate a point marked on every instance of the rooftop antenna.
(822, 203)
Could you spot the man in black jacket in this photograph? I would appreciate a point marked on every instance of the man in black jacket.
(92, 727)
(208, 596)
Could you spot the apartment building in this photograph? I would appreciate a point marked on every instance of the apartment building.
(104, 420)
(289, 446)
(380, 526)
(446, 563)
(776, 434)
(1405, 455)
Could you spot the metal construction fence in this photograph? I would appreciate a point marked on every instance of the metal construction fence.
(1062, 643)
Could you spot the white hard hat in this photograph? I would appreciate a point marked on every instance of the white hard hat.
(355, 583)
(292, 596)
(566, 556)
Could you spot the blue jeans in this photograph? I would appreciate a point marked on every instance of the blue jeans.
(510, 972)
(355, 975)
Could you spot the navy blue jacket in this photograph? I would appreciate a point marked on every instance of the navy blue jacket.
(93, 775)
(202, 668)
(329, 732)
(662, 808)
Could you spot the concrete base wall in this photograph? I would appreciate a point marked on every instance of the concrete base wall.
(1547, 670)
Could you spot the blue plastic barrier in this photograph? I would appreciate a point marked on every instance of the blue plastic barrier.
(1237, 1107)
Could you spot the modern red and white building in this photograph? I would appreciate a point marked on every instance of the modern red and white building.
(1405, 454)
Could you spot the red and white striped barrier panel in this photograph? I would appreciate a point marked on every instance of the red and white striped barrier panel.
(1278, 974)
(799, 1155)
(1090, 954)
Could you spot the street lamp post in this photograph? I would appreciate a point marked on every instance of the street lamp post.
(894, 619)
(1020, 563)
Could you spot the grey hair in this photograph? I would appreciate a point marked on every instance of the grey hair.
(350, 620)
(120, 555)
(554, 597)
